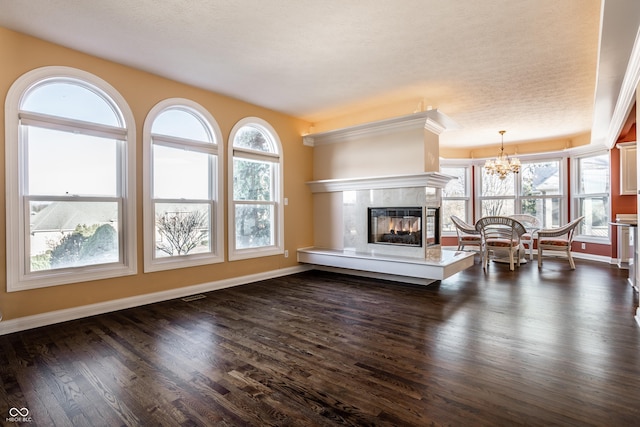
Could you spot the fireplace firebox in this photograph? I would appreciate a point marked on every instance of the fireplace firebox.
(403, 226)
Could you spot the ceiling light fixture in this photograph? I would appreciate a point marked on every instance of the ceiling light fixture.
(502, 165)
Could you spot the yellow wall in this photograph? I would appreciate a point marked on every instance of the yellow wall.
(522, 148)
(371, 155)
(20, 53)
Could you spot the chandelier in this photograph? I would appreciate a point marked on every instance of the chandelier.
(502, 165)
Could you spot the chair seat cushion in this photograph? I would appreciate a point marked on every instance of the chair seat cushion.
(502, 243)
(553, 242)
(470, 238)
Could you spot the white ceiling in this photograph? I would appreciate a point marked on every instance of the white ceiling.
(527, 66)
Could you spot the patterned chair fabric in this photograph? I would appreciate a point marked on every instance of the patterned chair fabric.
(558, 239)
(500, 233)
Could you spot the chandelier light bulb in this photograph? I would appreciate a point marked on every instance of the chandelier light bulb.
(502, 165)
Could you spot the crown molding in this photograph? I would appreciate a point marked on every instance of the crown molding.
(431, 120)
(627, 95)
(426, 179)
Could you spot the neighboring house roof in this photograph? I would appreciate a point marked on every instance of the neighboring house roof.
(66, 216)
(547, 178)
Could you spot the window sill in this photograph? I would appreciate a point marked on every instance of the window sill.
(594, 240)
(255, 253)
(172, 263)
(64, 277)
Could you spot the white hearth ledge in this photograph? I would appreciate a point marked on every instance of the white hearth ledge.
(424, 179)
(438, 264)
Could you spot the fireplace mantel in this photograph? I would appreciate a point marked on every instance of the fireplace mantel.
(425, 179)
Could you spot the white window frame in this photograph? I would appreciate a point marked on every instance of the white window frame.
(563, 184)
(479, 197)
(18, 277)
(467, 198)
(277, 159)
(517, 197)
(576, 195)
(216, 224)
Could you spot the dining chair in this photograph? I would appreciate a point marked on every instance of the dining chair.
(532, 224)
(467, 234)
(558, 239)
(500, 233)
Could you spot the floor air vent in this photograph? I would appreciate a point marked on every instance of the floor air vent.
(193, 298)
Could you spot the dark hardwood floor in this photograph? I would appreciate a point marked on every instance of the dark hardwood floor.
(530, 347)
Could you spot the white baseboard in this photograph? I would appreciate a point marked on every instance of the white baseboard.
(52, 317)
(591, 257)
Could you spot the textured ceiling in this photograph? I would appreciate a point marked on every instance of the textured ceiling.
(526, 66)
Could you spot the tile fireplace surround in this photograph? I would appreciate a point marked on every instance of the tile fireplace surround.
(355, 214)
(351, 200)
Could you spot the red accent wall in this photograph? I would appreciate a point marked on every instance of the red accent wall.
(449, 241)
(620, 204)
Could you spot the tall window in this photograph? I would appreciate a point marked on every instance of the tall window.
(537, 190)
(183, 216)
(497, 196)
(456, 197)
(70, 192)
(255, 212)
(541, 192)
(591, 195)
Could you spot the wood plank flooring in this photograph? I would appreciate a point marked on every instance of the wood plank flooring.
(530, 347)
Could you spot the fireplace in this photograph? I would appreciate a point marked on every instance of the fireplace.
(403, 226)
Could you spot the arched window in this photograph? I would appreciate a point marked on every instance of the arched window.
(182, 184)
(70, 180)
(255, 211)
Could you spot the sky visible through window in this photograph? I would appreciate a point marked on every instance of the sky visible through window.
(64, 163)
(72, 101)
(182, 124)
